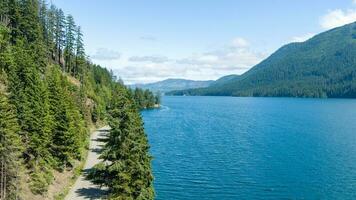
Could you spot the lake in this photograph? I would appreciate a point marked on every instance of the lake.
(253, 148)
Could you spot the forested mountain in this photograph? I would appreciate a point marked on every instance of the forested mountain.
(173, 84)
(324, 66)
(224, 79)
(50, 94)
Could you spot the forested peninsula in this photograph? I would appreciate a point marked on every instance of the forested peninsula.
(51, 95)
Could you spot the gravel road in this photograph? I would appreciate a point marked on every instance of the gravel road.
(83, 189)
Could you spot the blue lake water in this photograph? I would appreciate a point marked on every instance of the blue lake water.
(253, 148)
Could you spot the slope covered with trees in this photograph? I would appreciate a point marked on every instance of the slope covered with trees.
(50, 94)
(324, 66)
(172, 84)
(123, 169)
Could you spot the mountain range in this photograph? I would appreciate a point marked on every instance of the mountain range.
(173, 84)
(322, 67)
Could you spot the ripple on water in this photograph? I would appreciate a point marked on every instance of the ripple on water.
(253, 148)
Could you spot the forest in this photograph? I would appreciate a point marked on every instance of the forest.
(52, 95)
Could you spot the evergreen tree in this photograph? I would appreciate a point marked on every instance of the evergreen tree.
(60, 36)
(79, 54)
(145, 98)
(14, 16)
(52, 30)
(29, 22)
(44, 20)
(26, 89)
(158, 98)
(70, 42)
(58, 110)
(10, 148)
(126, 166)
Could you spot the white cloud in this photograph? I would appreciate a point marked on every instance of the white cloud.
(153, 59)
(105, 54)
(240, 42)
(209, 65)
(338, 17)
(303, 38)
(234, 58)
(354, 2)
(240, 58)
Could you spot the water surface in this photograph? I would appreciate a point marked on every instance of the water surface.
(253, 148)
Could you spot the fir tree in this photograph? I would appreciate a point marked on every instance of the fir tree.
(79, 55)
(60, 36)
(51, 30)
(70, 42)
(60, 118)
(126, 166)
(26, 89)
(10, 148)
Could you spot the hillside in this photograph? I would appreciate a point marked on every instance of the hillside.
(324, 66)
(224, 79)
(51, 95)
(172, 84)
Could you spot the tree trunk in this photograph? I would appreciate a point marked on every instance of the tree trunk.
(3, 179)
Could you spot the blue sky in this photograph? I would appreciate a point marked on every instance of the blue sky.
(150, 40)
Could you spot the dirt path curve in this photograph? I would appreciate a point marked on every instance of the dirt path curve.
(83, 189)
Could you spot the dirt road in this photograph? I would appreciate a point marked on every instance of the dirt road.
(83, 189)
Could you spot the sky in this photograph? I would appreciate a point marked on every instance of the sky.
(145, 41)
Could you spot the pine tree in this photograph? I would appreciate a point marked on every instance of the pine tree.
(79, 55)
(126, 166)
(60, 118)
(31, 31)
(14, 16)
(26, 93)
(29, 22)
(70, 42)
(60, 36)
(44, 20)
(69, 133)
(157, 98)
(52, 30)
(5, 53)
(77, 130)
(10, 148)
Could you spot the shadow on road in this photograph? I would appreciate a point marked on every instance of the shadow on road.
(84, 188)
(91, 193)
(97, 150)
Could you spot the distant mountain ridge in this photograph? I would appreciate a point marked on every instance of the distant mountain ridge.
(323, 66)
(173, 84)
